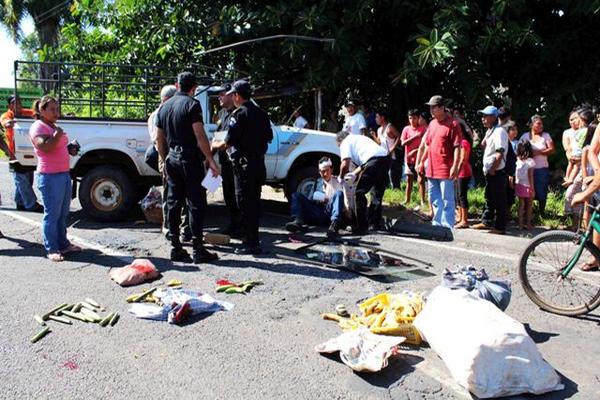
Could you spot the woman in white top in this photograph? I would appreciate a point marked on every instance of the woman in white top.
(388, 138)
(543, 146)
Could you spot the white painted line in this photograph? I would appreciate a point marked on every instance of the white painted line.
(86, 244)
(446, 247)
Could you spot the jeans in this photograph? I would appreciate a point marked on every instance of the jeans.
(24, 194)
(496, 212)
(541, 180)
(314, 213)
(56, 197)
(441, 194)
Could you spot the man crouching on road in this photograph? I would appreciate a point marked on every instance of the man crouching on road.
(327, 207)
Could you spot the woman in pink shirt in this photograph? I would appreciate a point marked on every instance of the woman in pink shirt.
(464, 178)
(54, 180)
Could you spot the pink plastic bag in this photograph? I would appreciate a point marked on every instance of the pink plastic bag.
(139, 271)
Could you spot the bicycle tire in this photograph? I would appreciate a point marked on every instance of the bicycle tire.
(526, 273)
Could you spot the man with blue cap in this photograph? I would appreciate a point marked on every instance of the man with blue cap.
(495, 146)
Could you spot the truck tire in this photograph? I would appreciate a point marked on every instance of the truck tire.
(304, 180)
(107, 194)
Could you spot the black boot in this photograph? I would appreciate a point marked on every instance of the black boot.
(332, 232)
(178, 253)
(296, 226)
(201, 255)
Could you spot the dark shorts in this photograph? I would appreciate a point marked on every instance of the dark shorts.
(411, 169)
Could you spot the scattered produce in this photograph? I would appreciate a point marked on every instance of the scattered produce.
(84, 311)
(228, 287)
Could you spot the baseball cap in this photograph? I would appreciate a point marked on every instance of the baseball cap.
(10, 99)
(349, 103)
(489, 110)
(436, 100)
(241, 87)
(226, 87)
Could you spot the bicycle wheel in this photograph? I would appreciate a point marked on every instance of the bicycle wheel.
(540, 270)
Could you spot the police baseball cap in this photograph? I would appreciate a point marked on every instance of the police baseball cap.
(226, 87)
(489, 110)
(436, 100)
(187, 79)
(241, 87)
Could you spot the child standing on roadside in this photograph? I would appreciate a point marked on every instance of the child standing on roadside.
(524, 188)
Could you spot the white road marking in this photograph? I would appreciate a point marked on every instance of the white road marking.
(446, 247)
(74, 238)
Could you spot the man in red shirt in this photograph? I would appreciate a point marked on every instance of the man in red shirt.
(441, 150)
(25, 198)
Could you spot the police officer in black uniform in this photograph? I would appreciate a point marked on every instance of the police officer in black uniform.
(183, 144)
(235, 219)
(246, 142)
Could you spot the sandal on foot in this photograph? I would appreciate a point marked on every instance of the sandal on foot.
(56, 257)
(462, 225)
(590, 266)
(72, 248)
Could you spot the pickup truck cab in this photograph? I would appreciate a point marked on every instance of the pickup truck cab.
(111, 174)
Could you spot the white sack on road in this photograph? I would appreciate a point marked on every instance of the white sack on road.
(487, 352)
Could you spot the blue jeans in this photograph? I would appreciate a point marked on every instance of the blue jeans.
(441, 194)
(56, 196)
(24, 194)
(313, 213)
(541, 180)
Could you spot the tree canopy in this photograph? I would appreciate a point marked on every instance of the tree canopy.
(533, 55)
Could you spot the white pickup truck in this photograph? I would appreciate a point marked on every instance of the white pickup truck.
(112, 175)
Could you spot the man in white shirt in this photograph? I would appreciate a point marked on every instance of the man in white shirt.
(373, 164)
(355, 123)
(300, 121)
(325, 207)
(495, 146)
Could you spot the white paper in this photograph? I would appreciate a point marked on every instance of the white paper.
(211, 183)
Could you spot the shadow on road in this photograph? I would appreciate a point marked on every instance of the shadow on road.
(397, 368)
(537, 336)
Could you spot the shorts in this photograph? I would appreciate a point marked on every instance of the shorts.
(523, 192)
(410, 169)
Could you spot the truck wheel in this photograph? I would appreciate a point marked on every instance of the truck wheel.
(107, 194)
(304, 181)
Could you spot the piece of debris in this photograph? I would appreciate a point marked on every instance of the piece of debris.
(228, 287)
(139, 271)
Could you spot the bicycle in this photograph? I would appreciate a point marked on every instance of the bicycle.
(550, 274)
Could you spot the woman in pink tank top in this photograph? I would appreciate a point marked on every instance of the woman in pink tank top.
(50, 143)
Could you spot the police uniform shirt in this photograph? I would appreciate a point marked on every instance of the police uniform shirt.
(249, 131)
(223, 125)
(360, 149)
(176, 117)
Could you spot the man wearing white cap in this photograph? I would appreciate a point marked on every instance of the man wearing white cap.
(495, 145)
(325, 207)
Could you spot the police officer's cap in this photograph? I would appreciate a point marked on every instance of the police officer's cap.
(241, 87)
(226, 87)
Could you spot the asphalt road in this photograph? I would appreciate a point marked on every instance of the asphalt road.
(264, 347)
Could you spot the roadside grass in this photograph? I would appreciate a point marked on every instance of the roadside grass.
(554, 218)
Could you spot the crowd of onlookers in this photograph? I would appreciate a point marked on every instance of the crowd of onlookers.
(440, 148)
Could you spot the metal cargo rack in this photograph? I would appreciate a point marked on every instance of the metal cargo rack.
(101, 91)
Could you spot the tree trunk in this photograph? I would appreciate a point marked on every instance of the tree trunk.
(48, 35)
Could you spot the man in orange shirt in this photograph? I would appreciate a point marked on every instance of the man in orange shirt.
(25, 198)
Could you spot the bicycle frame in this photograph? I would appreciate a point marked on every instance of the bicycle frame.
(594, 225)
